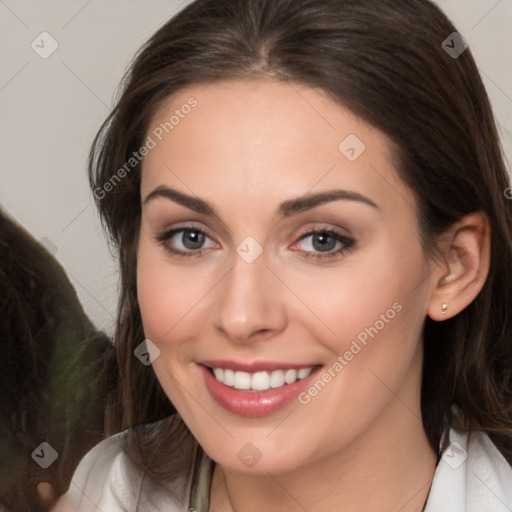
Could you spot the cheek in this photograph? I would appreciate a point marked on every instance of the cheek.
(170, 303)
(152, 294)
(160, 292)
(169, 295)
(372, 318)
(371, 295)
(383, 324)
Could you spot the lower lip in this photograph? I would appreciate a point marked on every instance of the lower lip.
(255, 403)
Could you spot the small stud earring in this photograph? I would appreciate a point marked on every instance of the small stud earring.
(444, 307)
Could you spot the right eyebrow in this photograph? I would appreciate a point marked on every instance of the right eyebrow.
(193, 203)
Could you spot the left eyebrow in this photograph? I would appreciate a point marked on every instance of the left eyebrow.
(286, 209)
(294, 206)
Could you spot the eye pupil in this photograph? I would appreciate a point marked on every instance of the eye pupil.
(323, 242)
(193, 239)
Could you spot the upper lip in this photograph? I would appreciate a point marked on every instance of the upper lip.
(254, 366)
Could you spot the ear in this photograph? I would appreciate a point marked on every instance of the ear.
(463, 268)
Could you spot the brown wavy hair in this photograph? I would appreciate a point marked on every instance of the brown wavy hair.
(54, 374)
(382, 59)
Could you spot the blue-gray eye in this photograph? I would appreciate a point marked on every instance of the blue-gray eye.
(192, 239)
(323, 242)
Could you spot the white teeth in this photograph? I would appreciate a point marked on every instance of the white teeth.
(277, 379)
(304, 372)
(229, 377)
(242, 380)
(290, 376)
(260, 381)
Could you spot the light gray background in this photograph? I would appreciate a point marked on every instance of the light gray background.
(51, 109)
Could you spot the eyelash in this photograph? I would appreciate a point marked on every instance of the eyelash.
(347, 243)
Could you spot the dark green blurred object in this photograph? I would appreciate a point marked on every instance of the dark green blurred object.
(54, 372)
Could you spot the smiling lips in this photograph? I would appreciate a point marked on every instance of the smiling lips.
(255, 389)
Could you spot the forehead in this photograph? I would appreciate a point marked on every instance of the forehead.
(264, 138)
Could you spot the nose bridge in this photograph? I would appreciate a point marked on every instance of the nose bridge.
(249, 301)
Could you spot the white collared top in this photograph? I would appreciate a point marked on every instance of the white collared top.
(471, 476)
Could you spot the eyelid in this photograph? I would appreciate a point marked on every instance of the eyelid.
(329, 231)
(184, 227)
(316, 227)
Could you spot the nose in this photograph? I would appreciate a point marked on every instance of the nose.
(250, 302)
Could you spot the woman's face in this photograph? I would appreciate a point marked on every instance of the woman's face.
(276, 236)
